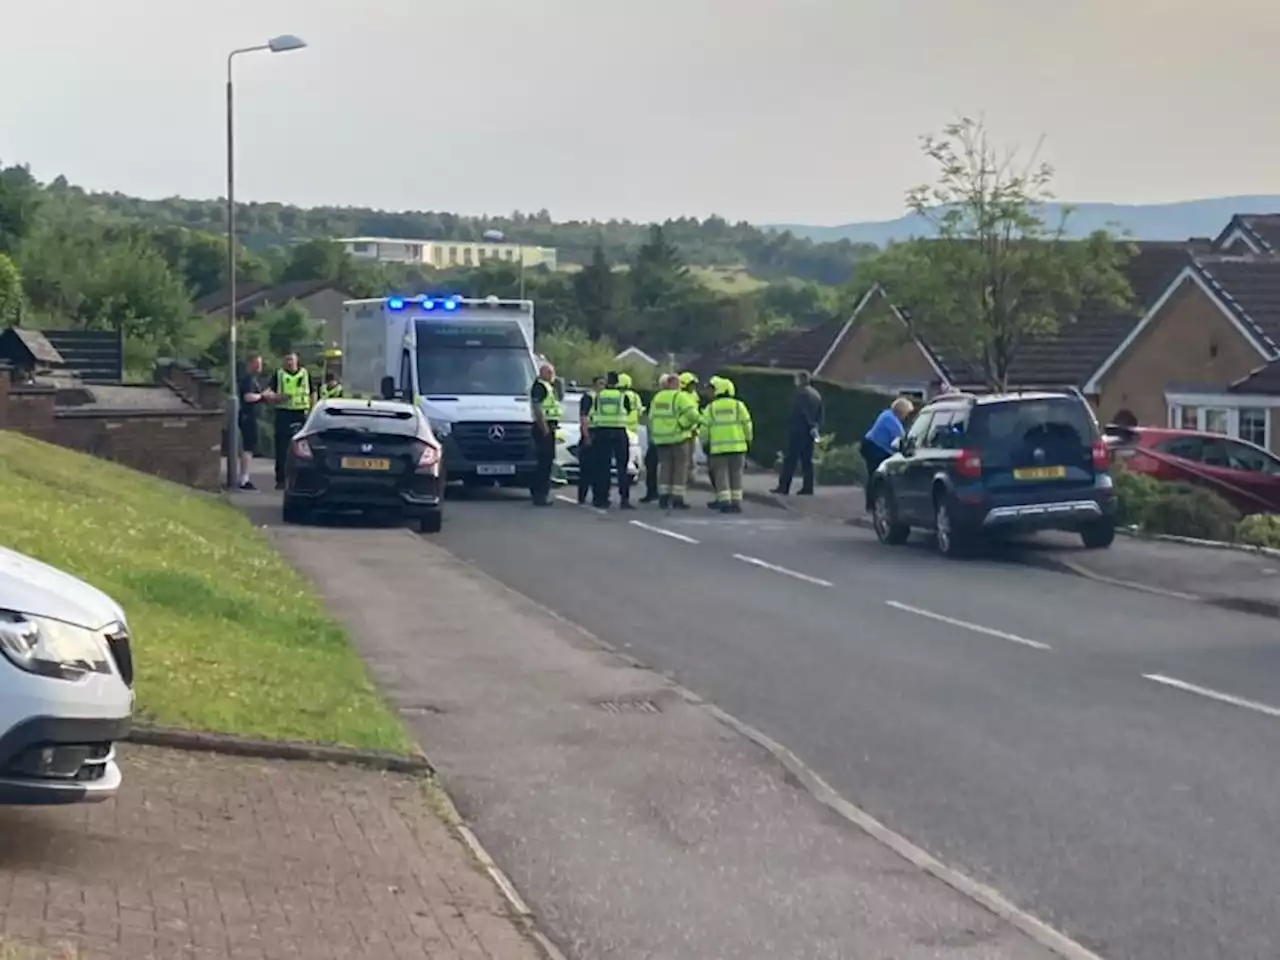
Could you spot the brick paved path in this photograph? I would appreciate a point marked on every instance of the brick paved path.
(212, 857)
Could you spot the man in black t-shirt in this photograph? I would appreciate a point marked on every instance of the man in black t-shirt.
(252, 396)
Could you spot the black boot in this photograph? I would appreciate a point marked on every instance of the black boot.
(664, 501)
(677, 503)
(650, 498)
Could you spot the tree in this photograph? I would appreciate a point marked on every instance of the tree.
(20, 198)
(599, 292)
(995, 276)
(11, 296)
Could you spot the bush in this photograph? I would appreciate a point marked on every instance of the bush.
(848, 411)
(1134, 493)
(841, 467)
(1260, 530)
(1183, 510)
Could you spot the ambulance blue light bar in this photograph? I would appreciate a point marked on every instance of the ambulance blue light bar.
(450, 302)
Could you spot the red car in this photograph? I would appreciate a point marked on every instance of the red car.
(1242, 473)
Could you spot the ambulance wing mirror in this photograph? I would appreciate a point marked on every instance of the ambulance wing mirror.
(388, 388)
(559, 385)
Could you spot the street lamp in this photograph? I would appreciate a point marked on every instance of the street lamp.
(497, 236)
(281, 44)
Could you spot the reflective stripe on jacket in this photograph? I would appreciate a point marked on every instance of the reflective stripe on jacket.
(331, 391)
(609, 410)
(296, 389)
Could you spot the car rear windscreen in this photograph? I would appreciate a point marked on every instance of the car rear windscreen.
(401, 423)
(1060, 426)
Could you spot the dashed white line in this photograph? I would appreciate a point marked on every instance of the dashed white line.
(563, 499)
(964, 624)
(1235, 701)
(765, 565)
(663, 532)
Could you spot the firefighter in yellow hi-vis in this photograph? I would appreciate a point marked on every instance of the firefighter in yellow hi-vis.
(331, 375)
(726, 436)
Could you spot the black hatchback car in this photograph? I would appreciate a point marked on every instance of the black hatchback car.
(977, 466)
(366, 456)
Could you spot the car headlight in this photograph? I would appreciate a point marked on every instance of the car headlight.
(51, 648)
(442, 428)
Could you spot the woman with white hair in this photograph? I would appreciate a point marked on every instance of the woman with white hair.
(877, 444)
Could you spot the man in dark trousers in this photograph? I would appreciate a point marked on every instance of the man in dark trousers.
(608, 422)
(546, 420)
(292, 399)
(586, 450)
(252, 397)
(802, 432)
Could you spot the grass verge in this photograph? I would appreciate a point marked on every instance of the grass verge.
(228, 637)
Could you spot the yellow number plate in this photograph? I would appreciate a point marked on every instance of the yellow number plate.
(364, 463)
(1040, 473)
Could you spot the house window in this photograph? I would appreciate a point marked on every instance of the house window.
(509, 254)
(439, 256)
(360, 248)
(466, 256)
(453, 255)
(1188, 418)
(1253, 425)
(1217, 420)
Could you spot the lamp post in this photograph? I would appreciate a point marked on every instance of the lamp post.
(281, 44)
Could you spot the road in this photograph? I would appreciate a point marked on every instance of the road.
(1104, 758)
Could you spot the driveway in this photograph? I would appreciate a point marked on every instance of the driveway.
(219, 858)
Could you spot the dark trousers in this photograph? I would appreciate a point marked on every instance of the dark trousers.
(613, 447)
(586, 468)
(872, 456)
(544, 448)
(651, 471)
(799, 453)
(287, 423)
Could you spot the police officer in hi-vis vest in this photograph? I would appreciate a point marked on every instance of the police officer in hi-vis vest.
(546, 420)
(608, 421)
(291, 397)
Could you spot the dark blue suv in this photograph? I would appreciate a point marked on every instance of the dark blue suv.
(972, 467)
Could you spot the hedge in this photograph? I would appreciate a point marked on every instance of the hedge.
(848, 412)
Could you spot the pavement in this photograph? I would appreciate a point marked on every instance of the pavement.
(1235, 579)
(218, 858)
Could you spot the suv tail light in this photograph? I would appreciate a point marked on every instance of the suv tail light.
(429, 458)
(969, 465)
(302, 449)
(1101, 455)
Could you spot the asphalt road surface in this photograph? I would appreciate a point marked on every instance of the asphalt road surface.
(1106, 759)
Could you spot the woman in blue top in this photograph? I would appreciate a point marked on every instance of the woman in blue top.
(877, 445)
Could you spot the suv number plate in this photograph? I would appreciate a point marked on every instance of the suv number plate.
(495, 469)
(1039, 473)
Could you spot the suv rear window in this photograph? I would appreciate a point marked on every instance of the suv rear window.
(1061, 426)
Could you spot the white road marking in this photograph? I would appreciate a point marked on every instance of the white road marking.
(1214, 694)
(563, 499)
(765, 565)
(659, 530)
(964, 624)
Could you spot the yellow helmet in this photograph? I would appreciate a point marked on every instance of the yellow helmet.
(624, 381)
(332, 353)
(688, 378)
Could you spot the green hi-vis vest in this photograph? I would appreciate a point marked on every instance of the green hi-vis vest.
(296, 389)
(664, 419)
(551, 411)
(637, 408)
(331, 391)
(727, 421)
(609, 410)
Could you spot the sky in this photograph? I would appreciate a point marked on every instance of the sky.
(799, 111)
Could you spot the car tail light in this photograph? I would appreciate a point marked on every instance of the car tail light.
(429, 458)
(302, 449)
(970, 464)
(1101, 455)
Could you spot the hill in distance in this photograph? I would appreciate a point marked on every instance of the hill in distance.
(1161, 221)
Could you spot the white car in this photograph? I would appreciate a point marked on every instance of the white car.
(570, 433)
(66, 675)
